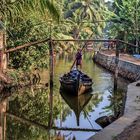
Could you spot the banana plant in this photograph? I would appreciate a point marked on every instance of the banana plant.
(126, 21)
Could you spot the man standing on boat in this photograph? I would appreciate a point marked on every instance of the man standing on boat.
(79, 58)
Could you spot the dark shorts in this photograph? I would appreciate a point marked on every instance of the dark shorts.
(78, 62)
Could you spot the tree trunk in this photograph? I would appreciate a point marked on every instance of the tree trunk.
(3, 106)
(3, 59)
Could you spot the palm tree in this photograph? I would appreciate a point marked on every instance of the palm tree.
(11, 9)
(13, 12)
(127, 21)
(85, 14)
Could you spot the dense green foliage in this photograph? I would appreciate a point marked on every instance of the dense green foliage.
(126, 21)
(28, 21)
(25, 21)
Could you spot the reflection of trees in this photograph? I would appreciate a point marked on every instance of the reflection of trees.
(60, 109)
(117, 100)
(32, 104)
(66, 111)
(95, 100)
(19, 131)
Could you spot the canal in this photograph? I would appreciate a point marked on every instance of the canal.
(41, 113)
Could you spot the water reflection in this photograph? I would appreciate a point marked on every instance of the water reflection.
(27, 122)
(40, 113)
(50, 122)
(3, 120)
(76, 103)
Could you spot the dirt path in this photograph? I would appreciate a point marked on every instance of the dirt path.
(123, 56)
(131, 133)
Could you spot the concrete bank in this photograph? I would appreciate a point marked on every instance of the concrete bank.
(132, 111)
(127, 69)
(132, 106)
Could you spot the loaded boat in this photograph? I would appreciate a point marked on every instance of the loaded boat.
(76, 82)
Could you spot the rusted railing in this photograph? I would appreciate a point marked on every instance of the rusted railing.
(27, 45)
(66, 40)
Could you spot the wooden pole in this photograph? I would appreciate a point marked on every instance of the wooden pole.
(80, 40)
(116, 67)
(50, 122)
(86, 40)
(97, 40)
(129, 44)
(51, 55)
(136, 25)
(51, 62)
(81, 50)
(27, 45)
(51, 67)
(116, 78)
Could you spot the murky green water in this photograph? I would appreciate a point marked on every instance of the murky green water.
(36, 108)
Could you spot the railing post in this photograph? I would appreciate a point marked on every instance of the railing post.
(51, 62)
(116, 66)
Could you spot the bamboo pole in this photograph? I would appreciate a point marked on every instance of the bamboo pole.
(51, 62)
(116, 76)
(116, 67)
(27, 45)
(51, 68)
(50, 122)
(136, 25)
(86, 40)
(98, 40)
(130, 44)
(80, 40)
(81, 51)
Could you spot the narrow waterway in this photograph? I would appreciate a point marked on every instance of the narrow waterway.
(38, 113)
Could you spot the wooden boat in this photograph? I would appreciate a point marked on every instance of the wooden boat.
(76, 82)
(76, 103)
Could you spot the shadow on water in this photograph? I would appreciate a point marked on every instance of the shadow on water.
(40, 113)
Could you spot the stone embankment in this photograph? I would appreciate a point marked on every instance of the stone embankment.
(127, 126)
(129, 68)
(131, 113)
